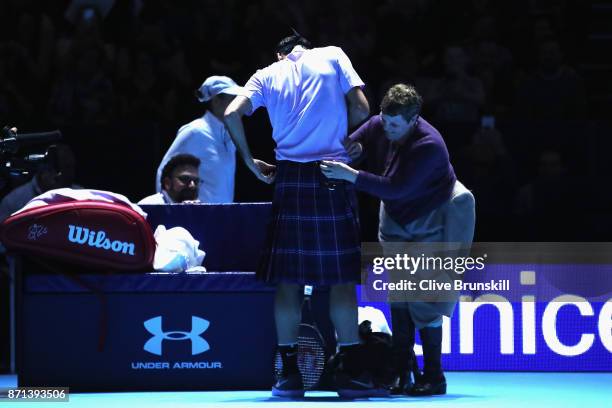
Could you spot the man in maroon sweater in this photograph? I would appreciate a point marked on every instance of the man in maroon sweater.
(421, 201)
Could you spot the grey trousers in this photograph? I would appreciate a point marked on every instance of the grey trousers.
(454, 221)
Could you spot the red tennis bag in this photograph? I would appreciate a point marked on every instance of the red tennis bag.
(90, 233)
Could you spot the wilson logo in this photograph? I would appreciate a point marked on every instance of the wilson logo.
(98, 239)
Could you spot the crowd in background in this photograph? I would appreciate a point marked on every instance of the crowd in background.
(136, 63)
(141, 60)
(518, 89)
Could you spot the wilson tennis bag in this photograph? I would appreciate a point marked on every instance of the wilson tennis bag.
(89, 233)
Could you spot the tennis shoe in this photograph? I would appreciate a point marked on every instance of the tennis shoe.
(359, 387)
(288, 386)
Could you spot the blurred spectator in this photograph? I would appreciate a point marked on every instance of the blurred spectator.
(402, 66)
(36, 34)
(143, 94)
(76, 8)
(180, 181)
(151, 75)
(14, 102)
(541, 193)
(87, 33)
(57, 172)
(547, 204)
(179, 82)
(24, 66)
(554, 91)
(493, 65)
(543, 30)
(489, 172)
(84, 93)
(458, 96)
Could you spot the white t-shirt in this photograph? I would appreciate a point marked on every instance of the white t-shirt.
(304, 95)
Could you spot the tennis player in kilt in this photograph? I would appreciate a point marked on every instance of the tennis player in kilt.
(312, 96)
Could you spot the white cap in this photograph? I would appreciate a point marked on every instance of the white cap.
(216, 85)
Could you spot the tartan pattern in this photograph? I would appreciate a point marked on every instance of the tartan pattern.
(313, 235)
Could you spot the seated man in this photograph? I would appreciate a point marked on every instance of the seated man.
(180, 181)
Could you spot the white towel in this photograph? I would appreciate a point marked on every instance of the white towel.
(177, 251)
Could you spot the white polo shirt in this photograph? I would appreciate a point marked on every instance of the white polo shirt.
(157, 198)
(207, 139)
(304, 95)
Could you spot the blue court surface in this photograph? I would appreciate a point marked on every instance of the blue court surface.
(469, 389)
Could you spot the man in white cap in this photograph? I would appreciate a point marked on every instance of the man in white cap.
(208, 140)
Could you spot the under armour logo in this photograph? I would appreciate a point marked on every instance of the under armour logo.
(198, 344)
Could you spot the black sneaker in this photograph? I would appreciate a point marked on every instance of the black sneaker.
(359, 387)
(403, 383)
(288, 386)
(429, 385)
(408, 376)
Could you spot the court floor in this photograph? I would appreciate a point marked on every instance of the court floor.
(467, 389)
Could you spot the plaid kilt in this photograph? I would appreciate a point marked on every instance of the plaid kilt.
(313, 235)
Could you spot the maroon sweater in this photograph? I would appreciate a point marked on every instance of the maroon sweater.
(415, 178)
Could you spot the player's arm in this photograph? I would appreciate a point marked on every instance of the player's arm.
(233, 121)
(358, 107)
(358, 111)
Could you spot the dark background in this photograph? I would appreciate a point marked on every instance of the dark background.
(120, 85)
